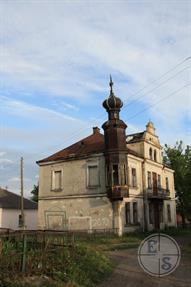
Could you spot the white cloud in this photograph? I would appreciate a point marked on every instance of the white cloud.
(54, 52)
(2, 153)
(5, 161)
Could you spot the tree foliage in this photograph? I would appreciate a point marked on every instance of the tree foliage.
(179, 159)
(34, 193)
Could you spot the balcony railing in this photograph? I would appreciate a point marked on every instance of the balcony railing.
(118, 192)
(158, 193)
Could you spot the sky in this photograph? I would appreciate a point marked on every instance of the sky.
(55, 62)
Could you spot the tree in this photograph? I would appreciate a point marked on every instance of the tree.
(179, 159)
(34, 193)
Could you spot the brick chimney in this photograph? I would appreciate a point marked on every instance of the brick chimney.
(96, 130)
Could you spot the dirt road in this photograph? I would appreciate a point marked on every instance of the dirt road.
(129, 274)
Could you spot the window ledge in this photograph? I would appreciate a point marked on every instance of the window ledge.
(93, 186)
(132, 224)
(57, 189)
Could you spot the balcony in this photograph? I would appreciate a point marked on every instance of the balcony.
(118, 192)
(158, 193)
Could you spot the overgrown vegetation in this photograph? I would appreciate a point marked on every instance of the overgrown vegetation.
(179, 159)
(77, 266)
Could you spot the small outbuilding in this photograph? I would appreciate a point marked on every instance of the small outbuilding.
(10, 210)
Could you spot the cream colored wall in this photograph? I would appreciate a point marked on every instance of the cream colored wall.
(74, 177)
(10, 218)
(138, 147)
(134, 162)
(76, 213)
(90, 208)
(147, 146)
(132, 227)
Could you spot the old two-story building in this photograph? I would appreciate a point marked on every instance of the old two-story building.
(108, 181)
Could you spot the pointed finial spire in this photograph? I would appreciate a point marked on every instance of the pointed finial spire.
(111, 86)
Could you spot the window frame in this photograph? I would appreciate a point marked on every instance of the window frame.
(133, 177)
(135, 213)
(127, 213)
(53, 180)
(89, 165)
(169, 214)
(149, 180)
(150, 153)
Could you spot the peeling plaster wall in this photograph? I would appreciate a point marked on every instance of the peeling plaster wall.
(75, 214)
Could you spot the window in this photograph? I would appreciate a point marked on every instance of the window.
(57, 180)
(150, 153)
(127, 213)
(115, 175)
(93, 178)
(169, 213)
(134, 177)
(149, 180)
(167, 184)
(159, 180)
(150, 213)
(135, 213)
(161, 212)
(123, 175)
(155, 155)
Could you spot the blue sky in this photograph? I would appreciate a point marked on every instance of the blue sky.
(55, 62)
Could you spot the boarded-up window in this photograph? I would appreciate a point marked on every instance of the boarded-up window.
(57, 179)
(93, 178)
(135, 213)
(127, 213)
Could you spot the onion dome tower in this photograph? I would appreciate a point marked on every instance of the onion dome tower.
(115, 148)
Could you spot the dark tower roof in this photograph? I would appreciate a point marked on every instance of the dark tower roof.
(113, 102)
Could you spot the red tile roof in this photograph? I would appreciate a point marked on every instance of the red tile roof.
(89, 145)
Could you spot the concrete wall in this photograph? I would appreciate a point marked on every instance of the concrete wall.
(9, 218)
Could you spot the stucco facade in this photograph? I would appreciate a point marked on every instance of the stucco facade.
(108, 181)
(9, 218)
(77, 206)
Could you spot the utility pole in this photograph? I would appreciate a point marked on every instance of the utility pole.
(22, 225)
(22, 217)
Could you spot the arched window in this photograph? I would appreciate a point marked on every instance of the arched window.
(155, 155)
(150, 153)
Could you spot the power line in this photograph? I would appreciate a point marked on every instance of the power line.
(156, 87)
(138, 92)
(164, 98)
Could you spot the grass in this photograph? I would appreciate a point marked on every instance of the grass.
(79, 266)
(85, 264)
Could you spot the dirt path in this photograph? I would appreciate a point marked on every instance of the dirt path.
(129, 274)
